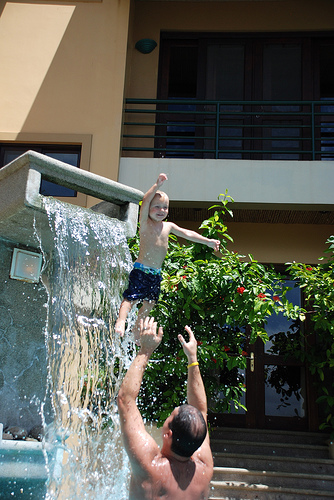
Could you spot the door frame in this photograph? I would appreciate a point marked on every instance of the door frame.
(255, 416)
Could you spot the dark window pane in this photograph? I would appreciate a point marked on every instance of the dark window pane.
(183, 72)
(285, 391)
(64, 153)
(282, 72)
(225, 72)
(50, 188)
(327, 70)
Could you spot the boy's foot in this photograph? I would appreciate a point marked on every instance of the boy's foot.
(120, 327)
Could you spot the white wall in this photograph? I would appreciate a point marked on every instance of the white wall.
(252, 184)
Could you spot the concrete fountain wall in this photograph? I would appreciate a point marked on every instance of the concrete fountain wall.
(23, 369)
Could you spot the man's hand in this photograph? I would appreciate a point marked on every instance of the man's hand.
(149, 339)
(161, 179)
(189, 348)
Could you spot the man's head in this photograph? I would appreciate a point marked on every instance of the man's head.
(188, 430)
(159, 206)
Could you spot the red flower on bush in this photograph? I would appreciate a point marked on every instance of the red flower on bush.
(226, 348)
(244, 353)
(309, 268)
(241, 289)
(276, 298)
(199, 342)
(214, 360)
(184, 277)
(262, 296)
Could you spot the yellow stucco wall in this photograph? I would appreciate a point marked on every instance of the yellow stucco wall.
(276, 243)
(62, 73)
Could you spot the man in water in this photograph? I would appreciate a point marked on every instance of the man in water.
(182, 469)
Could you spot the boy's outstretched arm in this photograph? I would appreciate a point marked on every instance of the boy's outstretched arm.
(194, 237)
(149, 195)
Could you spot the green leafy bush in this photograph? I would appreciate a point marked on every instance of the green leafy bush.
(317, 283)
(221, 299)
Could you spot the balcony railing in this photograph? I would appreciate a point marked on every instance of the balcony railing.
(188, 128)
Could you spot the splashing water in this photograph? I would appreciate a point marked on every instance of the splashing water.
(84, 277)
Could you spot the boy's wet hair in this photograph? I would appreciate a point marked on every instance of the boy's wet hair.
(162, 194)
(189, 430)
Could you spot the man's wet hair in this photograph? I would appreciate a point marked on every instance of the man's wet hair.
(189, 430)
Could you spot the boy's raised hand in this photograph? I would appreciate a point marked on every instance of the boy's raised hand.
(215, 244)
(161, 179)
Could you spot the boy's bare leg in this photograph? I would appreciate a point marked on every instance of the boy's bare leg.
(124, 310)
(144, 311)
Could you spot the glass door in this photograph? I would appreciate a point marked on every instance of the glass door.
(278, 381)
(279, 388)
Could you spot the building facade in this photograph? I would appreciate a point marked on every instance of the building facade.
(219, 95)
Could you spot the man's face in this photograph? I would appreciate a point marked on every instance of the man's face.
(159, 208)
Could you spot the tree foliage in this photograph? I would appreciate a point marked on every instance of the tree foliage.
(226, 301)
(317, 283)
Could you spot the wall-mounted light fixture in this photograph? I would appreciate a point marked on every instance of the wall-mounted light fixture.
(146, 45)
(26, 266)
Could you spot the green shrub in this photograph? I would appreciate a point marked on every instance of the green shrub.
(220, 299)
(317, 283)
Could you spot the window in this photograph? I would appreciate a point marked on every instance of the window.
(248, 96)
(69, 154)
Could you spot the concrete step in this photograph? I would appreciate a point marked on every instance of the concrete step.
(270, 448)
(243, 491)
(268, 435)
(271, 465)
(275, 478)
(275, 463)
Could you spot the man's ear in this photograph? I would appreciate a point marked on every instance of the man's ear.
(168, 434)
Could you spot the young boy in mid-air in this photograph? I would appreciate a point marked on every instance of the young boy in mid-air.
(145, 278)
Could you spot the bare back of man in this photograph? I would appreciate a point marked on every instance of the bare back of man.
(170, 479)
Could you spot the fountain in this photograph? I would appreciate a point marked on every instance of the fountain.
(61, 365)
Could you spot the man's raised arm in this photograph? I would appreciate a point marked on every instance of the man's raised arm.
(196, 395)
(139, 445)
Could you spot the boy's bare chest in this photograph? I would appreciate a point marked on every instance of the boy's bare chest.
(156, 235)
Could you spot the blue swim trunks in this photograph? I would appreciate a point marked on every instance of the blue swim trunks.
(144, 283)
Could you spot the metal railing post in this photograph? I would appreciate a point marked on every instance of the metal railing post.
(217, 130)
(313, 131)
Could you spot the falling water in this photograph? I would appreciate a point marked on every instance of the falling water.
(84, 277)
